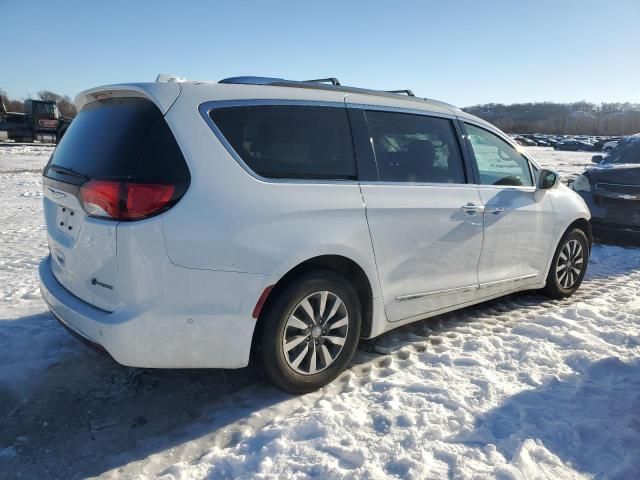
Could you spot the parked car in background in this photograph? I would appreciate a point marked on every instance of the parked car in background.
(525, 142)
(598, 145)
(612, 188)
(573, 145)
(609, 146)
(222, 222)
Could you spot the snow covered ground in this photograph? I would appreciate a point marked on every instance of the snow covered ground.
(517, 388)
(568, 164)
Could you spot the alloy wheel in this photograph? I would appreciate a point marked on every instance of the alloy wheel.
(315, 332)
(571, 263)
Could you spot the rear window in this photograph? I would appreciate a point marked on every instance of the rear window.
(118, 139)
(290, 141)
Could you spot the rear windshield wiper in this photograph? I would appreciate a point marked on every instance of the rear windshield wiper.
(68, 171)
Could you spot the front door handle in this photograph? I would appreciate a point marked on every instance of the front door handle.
(472, 208)
(495, 210)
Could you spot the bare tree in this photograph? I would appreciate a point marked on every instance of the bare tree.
(49, 96)
(11, 105)
(64, 102)
(66, 107)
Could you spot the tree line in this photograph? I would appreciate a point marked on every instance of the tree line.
(562, 118)
(64, 102)
(543, 117)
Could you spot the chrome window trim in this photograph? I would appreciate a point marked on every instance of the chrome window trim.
(468, 288)
(206, 107)
(523, 188)
(492, 129)
(409, 111)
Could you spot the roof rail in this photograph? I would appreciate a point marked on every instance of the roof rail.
(327, 84)
(251, 80)
(332, 80)
(407, 92)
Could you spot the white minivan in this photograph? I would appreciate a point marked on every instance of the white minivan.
(201, 224)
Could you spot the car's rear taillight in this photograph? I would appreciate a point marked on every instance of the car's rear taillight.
(125, 200)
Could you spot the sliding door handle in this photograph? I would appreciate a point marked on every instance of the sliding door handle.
(472, 208)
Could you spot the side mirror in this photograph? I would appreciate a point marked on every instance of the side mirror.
(548, 179)
(597, 158)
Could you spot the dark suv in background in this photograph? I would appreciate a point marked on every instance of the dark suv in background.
(611, 189)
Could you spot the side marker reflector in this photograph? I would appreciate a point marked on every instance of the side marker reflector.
(263, 298)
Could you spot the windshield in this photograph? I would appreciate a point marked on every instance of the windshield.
(625, 152)
(45, 109)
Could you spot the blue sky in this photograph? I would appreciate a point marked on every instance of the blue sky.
(463, 52)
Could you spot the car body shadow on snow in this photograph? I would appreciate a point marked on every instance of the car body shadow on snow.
(86, 415)
(590, 420)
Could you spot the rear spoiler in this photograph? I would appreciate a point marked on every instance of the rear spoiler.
(162, 94)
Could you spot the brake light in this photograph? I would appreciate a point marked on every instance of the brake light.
(124, 200)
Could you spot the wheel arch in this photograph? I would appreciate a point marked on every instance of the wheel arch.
(584, 225)
(339, 264)
(553, 285)
(581, 223)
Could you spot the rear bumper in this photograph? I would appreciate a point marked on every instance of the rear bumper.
(77, 316)
(92, 345)
(165, 335)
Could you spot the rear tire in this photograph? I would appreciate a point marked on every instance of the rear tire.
(569, 265)
(309, 332)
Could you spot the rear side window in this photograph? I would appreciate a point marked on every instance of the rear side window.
(415, 148)
(498, 162)
(277, 141)
(119, 139)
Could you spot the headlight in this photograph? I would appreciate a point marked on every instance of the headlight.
(581, 184)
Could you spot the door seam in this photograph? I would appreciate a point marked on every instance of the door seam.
(373, 251)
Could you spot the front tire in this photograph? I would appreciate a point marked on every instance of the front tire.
(310, 332)
(569, 265)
